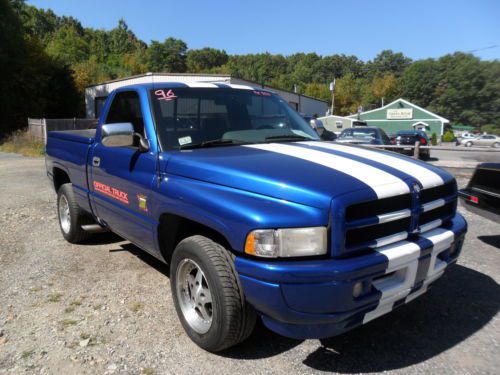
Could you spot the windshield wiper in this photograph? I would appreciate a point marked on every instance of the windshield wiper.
(288, 138)
(212, 143)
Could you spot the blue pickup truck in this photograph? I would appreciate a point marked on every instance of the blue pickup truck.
(255, 216)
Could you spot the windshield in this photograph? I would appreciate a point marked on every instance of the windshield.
(190, 116)
(358, 133)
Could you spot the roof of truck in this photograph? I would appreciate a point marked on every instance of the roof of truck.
(215, 85)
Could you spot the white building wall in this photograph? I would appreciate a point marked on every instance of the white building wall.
(303, 104)
(336, 123)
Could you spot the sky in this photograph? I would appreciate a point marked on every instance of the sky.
(418, 28)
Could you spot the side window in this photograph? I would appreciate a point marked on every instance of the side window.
(126, 107)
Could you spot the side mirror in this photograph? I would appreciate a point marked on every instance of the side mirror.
(117, 135)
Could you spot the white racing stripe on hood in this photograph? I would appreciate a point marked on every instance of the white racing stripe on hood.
(424, 175)
(382, 183)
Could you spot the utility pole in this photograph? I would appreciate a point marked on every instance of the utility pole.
(332, 89)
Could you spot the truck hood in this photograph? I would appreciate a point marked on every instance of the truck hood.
(309, 173)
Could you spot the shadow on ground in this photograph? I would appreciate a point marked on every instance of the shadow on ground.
(491, 240)
(459, 304)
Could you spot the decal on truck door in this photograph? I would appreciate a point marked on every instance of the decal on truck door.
(142, 201)
(111, 192)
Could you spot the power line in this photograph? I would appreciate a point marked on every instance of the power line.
(482, 49)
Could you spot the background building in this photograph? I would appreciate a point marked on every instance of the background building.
(403, 115)
(336, 123)
(95, 96)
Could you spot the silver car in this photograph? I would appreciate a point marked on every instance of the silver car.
(482, 140)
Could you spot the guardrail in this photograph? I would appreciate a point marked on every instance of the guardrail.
(416, 148)
(38, 127)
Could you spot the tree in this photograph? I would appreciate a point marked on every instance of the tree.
(169, 56)
(386, 87)
(122, 40)
(205, 59)
(349, 92)
(419, 82)
(388, 62)
(68, 46)
(461, 78)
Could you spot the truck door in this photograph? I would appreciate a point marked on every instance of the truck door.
(122, 177)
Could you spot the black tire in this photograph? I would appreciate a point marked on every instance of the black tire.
(495, 145)
(233, 319)
(77, 217)
(468, 144)
(425, 157)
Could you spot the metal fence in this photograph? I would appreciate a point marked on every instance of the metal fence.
(38, 127)
(417, 147)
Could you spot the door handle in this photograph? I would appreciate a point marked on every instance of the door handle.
(96, 161)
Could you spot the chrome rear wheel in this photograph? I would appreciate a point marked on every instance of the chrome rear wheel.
(64, 214)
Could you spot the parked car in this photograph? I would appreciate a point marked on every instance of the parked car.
(254, 214)
(409, 138)
(364, 135)
(482, 194)
(487, 140)
(392, 138)
(468, 136)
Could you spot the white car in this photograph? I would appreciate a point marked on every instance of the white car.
(468, 136)
(482, 140)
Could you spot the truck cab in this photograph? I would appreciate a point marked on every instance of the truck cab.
(256, 216)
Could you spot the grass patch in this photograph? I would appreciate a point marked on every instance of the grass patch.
(21, 142)
(65, 323)
(26, 354)
(54, 297)
(69, 310)
(98, 306)
(148, 371)
(136, 307)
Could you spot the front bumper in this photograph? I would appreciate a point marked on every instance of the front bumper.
(314, 298)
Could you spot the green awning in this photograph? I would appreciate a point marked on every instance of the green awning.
(463, 127)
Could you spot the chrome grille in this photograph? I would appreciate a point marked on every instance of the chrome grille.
(380, 222)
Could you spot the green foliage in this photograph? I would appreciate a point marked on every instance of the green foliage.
(205, 59)
(491, 129)
(448, 136)
(68, 46)
(434, 139)
(169, 56)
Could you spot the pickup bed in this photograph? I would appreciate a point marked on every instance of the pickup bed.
(254, 214)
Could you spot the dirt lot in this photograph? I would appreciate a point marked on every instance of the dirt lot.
(106, 307)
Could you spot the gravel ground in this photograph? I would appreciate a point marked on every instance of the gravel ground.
(106, 307)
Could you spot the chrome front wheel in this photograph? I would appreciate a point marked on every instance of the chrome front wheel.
(194, 296)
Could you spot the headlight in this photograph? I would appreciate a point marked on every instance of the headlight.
(292, 242)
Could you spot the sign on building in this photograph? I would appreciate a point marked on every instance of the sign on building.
(400, 114)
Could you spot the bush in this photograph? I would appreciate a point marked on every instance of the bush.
(23, 143)
(490, 129)
(434, 139)
(448, 136)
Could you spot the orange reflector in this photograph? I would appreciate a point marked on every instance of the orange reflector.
(250, 244)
